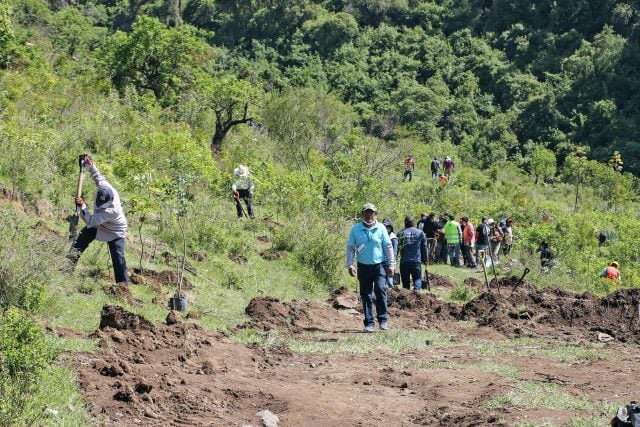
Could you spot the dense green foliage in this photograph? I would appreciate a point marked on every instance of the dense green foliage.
(536, 103)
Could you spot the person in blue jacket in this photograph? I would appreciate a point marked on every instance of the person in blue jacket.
(413, 252)
(369, 244)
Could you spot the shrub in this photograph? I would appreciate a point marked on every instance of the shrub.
(461, 293)
(23, 355)
(28, 262)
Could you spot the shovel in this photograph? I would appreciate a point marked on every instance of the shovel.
(73, 221)
(526, 270)
(426, 278)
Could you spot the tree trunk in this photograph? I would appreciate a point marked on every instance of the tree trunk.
(224, 126)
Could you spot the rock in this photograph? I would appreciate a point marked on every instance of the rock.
(348, 300)
(150, 414)
(269, 419)
(50, 411)
(174, 317)
(125, 366)
(117, 336)
(602, 337)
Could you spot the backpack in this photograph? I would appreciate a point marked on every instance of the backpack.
(482, 234)
(496, 235)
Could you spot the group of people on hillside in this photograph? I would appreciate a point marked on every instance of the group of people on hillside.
(453, 241)
(373, 250)
(447, 167)
(372, 247)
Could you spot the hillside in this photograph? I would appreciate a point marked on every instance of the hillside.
(322, 101)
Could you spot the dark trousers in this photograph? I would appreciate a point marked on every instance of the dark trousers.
(246, 196)
(469, 259)
(373, 279)
(410, 270)
(407, 173)
(116, 249)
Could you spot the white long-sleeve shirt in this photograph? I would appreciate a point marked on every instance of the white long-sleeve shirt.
(108, 219)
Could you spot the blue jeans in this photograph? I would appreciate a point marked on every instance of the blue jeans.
(454, 253)
(373, 279)
(116, 249)
(409, 173)
(246, 196)
(409, 270)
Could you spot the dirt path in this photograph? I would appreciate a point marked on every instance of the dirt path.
(530, 345)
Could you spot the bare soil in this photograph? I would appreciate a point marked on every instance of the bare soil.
(178, 374)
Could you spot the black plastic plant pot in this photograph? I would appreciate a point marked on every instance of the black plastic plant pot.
(178, 303)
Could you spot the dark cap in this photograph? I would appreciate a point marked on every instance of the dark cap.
(104, 196)
(387, 223)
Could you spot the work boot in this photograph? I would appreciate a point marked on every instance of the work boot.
(384, 325)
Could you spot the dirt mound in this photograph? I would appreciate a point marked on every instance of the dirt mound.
(522, 311)
(181, 374)
(269, 313)
(116, 317)
(272, 254)
(438, 280)
(174, 373)
(458, 417)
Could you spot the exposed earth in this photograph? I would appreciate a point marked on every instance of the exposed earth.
(471, 365)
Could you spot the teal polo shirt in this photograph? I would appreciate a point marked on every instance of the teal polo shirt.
(369, 243)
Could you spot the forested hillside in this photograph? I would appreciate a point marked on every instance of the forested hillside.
(537, 103)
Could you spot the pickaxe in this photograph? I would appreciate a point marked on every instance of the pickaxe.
(73, 221)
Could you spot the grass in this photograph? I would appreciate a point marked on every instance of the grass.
(57, 390)
(538, 395)
(397, 341)
(570, 353)
(499, 369)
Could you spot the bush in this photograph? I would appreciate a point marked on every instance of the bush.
(318, 249)
(461, 293)
(23, 355)
(28, 262)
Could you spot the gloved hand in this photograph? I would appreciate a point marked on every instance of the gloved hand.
(86, 159)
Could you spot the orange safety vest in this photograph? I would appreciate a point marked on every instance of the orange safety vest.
(612, 273)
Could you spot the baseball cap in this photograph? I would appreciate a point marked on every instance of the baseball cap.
(369, 207)
(104, 196)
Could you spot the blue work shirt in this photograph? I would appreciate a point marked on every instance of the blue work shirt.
(370, 245)
(413, 245)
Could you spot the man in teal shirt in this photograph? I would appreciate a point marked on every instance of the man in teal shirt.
(370, 245)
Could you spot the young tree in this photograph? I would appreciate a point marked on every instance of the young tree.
(575, 168)
(543, 163)
(616, 162)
